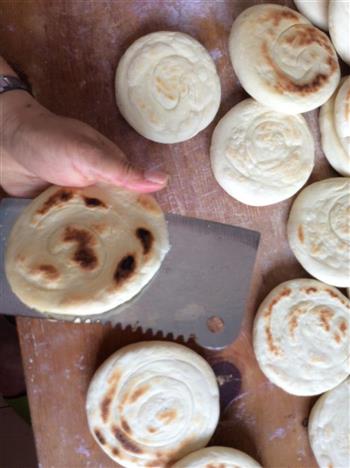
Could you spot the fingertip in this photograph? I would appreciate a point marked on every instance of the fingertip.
(129, 177)
(157, 177)
(149, 181)
(144, 186)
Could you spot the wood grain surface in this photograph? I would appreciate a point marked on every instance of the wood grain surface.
(69, 50)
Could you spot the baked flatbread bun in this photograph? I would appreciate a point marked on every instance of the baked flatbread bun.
(167, 87)
(339, 29)
(152, 403)
(315, 10)
(318, 230)
(217, 457)
(282, 60)
(301, 337)
(260, 156)
(342, 113)
(334, 127)
(85, 251)
(329, 427)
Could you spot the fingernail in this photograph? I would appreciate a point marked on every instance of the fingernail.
(156, 177)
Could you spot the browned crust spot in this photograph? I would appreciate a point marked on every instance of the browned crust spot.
(151, 429)
(114, 378)
(125, 269)
(325, 317)
(107, 400)
(74, 299)
(84, 254)
(278, 15)
(293, 321)
(171, 454)
(163, 88)
(311, 35)
(347, 105)
(267, 313)
(146, 238)
(315, 248)
(337, 337)
(116, 452)
(270, 343)
(285, 84)
(333, 294)
(216, 465)
(164, 459)
(48, 271)
(125, 426)
(59, 197)
(148, 203)
(343, 326)
(310, 290)
(284, 293)
(92, 202)
(85, 257)
(99, 437)
(125, 441)
(123, 402)
(105, 407)
(158, 462)
(167, 416)
(301, 233)
(138, 393)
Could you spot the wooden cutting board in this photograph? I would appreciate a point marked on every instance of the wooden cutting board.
(69, 50)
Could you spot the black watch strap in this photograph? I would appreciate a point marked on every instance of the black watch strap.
(11, 83)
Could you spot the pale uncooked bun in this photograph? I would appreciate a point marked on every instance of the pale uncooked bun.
(339, 27)
(334, 127)
(152, 403)
(85, 251)
(329, 428)
(282, 60)
(260, 156)
(301, 337)
(318, 230)
(217, 457)
(167, 87)
(315, 10)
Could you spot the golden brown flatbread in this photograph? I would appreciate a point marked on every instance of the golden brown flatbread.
(84, 251)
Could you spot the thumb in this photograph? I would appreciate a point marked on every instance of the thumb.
(133, 179)
(113, 167)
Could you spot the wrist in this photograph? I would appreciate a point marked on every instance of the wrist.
(14, 105)
(6, 69)
(16, 108)
(16, 100)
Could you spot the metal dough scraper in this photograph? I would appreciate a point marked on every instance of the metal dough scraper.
(200, 290)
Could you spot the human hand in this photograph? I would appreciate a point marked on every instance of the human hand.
(39, 148)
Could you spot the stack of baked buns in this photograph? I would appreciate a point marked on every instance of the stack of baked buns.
(156, 404)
